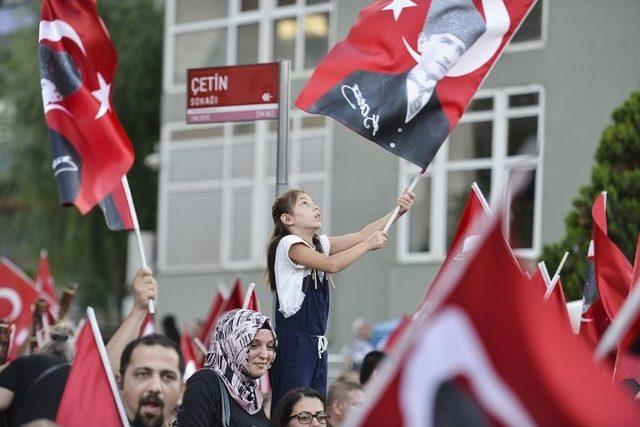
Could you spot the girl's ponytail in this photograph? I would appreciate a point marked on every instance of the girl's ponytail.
(283, 205)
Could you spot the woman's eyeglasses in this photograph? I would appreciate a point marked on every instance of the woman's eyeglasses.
(305, 417)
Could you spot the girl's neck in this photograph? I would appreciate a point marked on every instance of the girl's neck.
(306, 235)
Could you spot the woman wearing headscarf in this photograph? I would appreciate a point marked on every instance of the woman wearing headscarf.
(225, 392)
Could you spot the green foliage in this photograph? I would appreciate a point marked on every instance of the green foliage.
(617, 171)
(81, 249)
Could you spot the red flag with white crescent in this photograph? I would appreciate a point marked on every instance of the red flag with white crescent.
(407, 70)
(489, 353)
(17, 295)
(91, 151)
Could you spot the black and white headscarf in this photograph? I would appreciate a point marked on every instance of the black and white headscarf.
(229, 355)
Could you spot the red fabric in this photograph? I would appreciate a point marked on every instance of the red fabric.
(397, 333)
(17, 296)
(503, 326)
(236, 298)
(46, 286)
(101, 142)
(118, 213)
(627, 363)
(472, 214)
(87, 396)
(613, 271)
(634, 332)
(538, 283)
(559, 303)
(210, 323)
(253, 301)
(148, 325)
(369, 49)
(191, 361)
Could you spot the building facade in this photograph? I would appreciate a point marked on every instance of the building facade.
(551, 92)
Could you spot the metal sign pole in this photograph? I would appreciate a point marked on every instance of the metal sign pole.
(284, 100)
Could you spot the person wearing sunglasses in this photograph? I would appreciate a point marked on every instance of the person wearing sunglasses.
(226, 392)
(300, 407)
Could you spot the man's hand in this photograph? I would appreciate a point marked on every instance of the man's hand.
(144, 288)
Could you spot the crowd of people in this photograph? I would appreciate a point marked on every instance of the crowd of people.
(246, 347)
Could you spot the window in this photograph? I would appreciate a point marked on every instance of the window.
(201, 33)
(532, 32)
(218, 184)
(501, 128)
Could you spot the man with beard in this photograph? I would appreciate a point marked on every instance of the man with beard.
(150, 380)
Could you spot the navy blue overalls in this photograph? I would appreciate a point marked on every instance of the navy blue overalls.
(299, 362)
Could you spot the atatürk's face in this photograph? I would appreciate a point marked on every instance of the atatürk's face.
(439, 52)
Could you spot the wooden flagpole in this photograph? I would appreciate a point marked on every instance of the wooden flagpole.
(136, 229)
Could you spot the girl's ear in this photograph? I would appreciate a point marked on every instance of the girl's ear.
(286, 219)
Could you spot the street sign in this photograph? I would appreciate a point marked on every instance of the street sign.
(229, 94)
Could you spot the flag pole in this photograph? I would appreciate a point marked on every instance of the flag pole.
(396, 211)
(620, 325)
(136, 229)
(284, 100)
(247, 296)
(91, 316)
(556, 277)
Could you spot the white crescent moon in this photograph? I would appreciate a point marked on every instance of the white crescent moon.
(50, 107)
(485, 47)
(15, 301)
(56, 30)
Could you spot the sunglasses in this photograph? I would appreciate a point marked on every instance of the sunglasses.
(305, 417)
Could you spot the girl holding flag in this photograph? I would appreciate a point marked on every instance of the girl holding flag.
(298, 263)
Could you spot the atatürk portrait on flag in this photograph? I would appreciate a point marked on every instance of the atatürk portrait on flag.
(402, 111)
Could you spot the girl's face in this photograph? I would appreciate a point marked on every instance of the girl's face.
(305, 408)
(262, 351)
(306, 213)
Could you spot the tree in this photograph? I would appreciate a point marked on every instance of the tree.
(617, 171)
(81, 248)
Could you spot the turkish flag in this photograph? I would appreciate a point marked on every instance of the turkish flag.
(488, 353)
(407, 70)
(395, 336)
(475, 211)
(91, 151)
(235, 300)
(627, 365)
(17, 295)
(191, 361)
(613, 270)
(251, 299)
(46, 287)
(117, 208)
(210, 323)
(90, 396)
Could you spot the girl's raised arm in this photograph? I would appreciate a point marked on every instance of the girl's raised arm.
(304, 255)
(347, 241)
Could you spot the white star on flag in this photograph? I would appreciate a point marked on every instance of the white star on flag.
(397, 6)
(102, 95)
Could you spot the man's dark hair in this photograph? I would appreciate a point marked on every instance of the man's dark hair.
(369, 364)
(149, 340)
(281, 413)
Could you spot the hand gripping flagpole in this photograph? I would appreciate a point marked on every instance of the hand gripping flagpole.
(136, 229)
(396, 211)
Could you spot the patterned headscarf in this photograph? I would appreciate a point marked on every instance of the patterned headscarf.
(229, 355)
